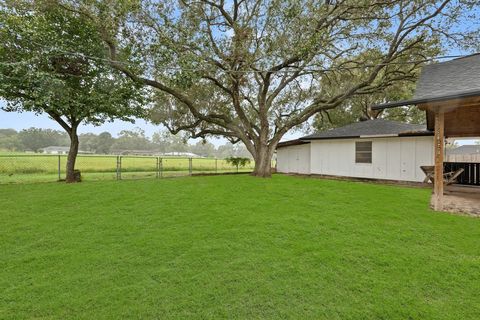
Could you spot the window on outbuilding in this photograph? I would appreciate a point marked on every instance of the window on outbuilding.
(363, 152)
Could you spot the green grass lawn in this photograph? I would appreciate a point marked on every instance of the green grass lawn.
(234, 247)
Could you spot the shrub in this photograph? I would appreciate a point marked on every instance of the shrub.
(238, 161)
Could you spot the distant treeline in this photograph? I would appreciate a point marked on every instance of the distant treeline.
(35, 139)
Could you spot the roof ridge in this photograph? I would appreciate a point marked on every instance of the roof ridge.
(437, 63)
(463, 57)
(371, 127)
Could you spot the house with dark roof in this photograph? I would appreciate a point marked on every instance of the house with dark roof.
(373, 149)
(448, 92)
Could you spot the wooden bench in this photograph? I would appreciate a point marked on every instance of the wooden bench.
(448, 177)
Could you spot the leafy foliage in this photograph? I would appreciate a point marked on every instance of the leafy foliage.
(238, 161)
(9, 140)
(252, 70)
(132, 140)
(100, 144)
(34, 139)
(358, 108)
(44, 67)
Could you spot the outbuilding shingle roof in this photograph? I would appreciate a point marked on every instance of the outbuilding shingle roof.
(290, 143)
(457, 78)
(371, 128)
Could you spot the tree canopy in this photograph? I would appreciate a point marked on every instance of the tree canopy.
(44, 69)
(358, 108)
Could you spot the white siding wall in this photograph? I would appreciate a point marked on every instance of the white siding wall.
(294, 159)
(392, 158)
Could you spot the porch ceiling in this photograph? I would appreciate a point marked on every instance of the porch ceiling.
(462, 117)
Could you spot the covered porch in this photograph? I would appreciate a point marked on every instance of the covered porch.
(449, 93)
(454, 118)
(457, 117)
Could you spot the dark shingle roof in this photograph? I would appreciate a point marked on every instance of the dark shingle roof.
(443, 81)
(458, 76)
(289, 143)
(377, 127)
(466, 149)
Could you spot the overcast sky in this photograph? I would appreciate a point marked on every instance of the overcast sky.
(19, 121)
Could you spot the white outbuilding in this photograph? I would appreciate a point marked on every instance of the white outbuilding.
(372, 149)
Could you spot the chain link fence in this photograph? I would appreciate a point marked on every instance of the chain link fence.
(18, 168)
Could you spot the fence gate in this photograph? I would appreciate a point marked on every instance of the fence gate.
(470, 175)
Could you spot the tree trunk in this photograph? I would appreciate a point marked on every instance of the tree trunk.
(263, 162)
(72, 156)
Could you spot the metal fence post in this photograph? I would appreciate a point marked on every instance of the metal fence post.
(59, 168)
(190, 166)
(157, 175)
(216, 165)
(160, 167)
(116, 168)
(119, 167)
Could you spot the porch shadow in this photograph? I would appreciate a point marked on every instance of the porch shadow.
(461, 199)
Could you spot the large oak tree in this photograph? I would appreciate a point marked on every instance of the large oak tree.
(251, 70)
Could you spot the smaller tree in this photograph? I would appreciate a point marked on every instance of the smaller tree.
(232, 150)
(132, 140)
(39, 73)
(34, 139)
(99, 144)
(203, 148)
(104, 143)
(168, 142)
(238, 162)
(87, 141)
(225, 151)
(9, 140)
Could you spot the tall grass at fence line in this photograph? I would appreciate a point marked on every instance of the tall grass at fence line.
(33, 168)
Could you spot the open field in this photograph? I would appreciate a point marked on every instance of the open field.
(16, 168)
(234, 247)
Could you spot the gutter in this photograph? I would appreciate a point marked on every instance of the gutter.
(410, 102)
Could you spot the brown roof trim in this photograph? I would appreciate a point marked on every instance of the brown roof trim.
(417, 134)
(289, 143)
(410, 102)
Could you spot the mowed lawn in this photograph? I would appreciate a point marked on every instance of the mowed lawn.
(234, 247)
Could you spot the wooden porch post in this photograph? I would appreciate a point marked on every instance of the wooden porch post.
(439, 145)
